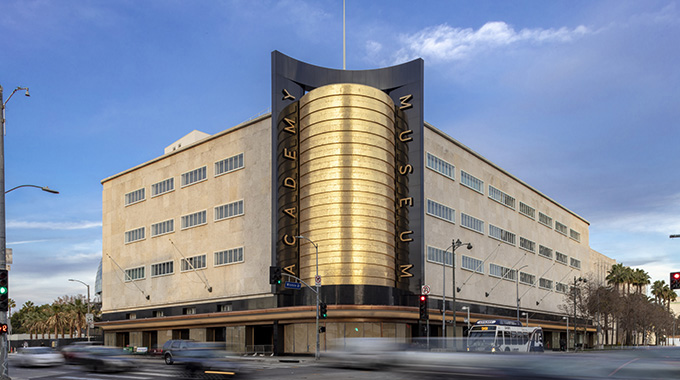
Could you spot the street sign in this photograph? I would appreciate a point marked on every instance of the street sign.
(425, 289)
(292, 285)
(317, 280)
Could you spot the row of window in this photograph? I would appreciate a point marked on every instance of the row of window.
(191, 177)
(448, 170)
(225, 257)
(440, 256)
(444, 212)
(195, 219)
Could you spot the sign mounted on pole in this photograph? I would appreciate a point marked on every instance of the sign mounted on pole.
(425, 290)
(292, 285)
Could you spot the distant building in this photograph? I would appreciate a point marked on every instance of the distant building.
(346, 161)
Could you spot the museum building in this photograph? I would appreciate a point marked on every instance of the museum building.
(343, 184)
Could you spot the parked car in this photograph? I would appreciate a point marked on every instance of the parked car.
(172, 347)
(105, 359)
(38, 356)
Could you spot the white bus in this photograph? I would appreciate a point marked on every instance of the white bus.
(501, 335)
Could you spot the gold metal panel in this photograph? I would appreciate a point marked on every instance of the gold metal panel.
(350, 197)
(347, 185)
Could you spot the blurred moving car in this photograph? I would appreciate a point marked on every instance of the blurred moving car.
(208, 361)
(38, 356)
(105, 359)
(71, 351)
(361, 353)
(172, 347)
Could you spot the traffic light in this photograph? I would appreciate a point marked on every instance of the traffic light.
(4, 290)
(323, 310)
(675, 280)
(4, 329)
(423, 308)
(274, 275)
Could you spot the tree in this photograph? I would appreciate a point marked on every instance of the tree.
(657, 291)
(640, 279)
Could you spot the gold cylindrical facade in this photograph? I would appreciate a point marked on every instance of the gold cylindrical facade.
(347, 185)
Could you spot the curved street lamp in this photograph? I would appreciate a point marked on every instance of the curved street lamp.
(4, 373)
(88, 304)
(43, 188)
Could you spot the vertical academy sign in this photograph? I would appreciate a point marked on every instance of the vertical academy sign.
(291, 79)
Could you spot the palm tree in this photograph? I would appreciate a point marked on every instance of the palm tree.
(629, 277)
(657, 290)
(616, 275)
(57, 318)
(640, 279)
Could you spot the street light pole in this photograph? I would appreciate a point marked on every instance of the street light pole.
(88, 305)
(4, 373)
(517, 288)
(455, 244)
(576, 280)
(318, 285)
(566, 345)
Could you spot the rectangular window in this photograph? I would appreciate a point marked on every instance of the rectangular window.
(502, 272)
(188, 310)
(158, 313)
(195, 219)
(501, 197)
(229, 164)
(561, 288)
(561, 258)
(134, 235)
(134, 274)
(134, 197)
(441, 211)
(223, 308)
(545, 283)
(472, 223)
(229, 256)
(527, 278)
(472, 264)
(561, 228)
(163, 187)
(440, 166)
(527, 210)
(472, 182)
(229, 210)
(163, 228)
(194, 176)
(193, 263)
(527, 244)
(501, 234)
(545, 252)
(438, 256)
(545, 219)
(575, 263)
(161, 269)
(575, 235)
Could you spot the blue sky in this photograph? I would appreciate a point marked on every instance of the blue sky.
(580, 99)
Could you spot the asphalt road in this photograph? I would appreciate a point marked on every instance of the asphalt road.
(625, 364)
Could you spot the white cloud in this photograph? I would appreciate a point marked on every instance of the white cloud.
(53, 225)
(443, 43)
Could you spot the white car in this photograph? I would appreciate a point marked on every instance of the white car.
(38, 356)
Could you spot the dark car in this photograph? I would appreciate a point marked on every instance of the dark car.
(105, 359)
(205, 361)
(172, 347)
(70, 352)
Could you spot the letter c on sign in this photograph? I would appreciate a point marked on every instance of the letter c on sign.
(286, 240)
